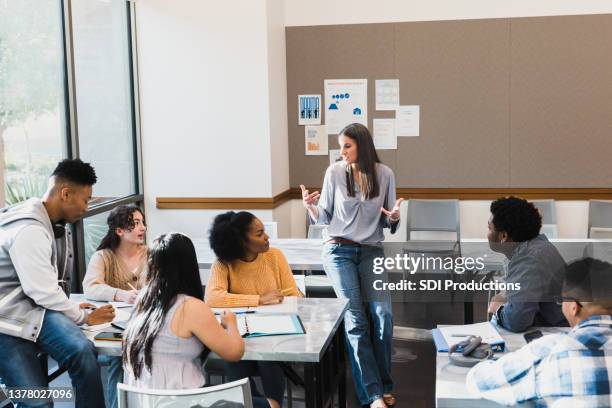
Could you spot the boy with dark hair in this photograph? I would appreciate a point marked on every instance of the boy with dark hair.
(567, 369)
(534, 263)
(35, 313)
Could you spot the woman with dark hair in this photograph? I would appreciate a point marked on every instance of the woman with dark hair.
(172, 326)
(248, 272)
(357, 202)
(116, 267)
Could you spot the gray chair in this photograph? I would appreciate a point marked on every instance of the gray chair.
(436, 217)
(600, 216)
(549, 217)
(316, 231)
(236, 394)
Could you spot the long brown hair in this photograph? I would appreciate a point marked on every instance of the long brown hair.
(366, 160)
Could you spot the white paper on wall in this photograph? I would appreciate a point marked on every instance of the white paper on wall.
(334, 155)
(387, 94)
(315, 139)
(384, 134)
(346, 102)
(309, 109)
(407, 120)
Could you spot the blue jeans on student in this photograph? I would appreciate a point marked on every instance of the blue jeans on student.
(65, 343)
(272, 379)
(368, 322)
(114, 376)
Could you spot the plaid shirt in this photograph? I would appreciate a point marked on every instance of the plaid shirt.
(573, 369)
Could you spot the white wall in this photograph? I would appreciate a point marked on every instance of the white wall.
(322, 12)
(213, 110)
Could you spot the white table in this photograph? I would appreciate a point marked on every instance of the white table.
(321, 349)
(451, 391)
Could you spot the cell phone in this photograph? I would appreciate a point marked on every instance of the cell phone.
(109, 336)
(120, 324)
(532, 335)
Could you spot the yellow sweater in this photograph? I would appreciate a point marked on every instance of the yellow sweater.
(240, 283)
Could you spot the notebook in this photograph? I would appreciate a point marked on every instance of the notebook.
(258, 325)
(446, 336)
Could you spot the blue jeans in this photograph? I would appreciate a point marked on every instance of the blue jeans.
(63, 341)
(350, 269)
(272, 379)
(115, 376)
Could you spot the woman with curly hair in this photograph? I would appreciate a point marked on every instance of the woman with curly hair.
(248, 272)
(115, 269)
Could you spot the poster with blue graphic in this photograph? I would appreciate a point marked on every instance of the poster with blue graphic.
(346, 102)
(309, 109)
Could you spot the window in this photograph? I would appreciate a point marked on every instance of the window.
(32, 97)
(67, 90)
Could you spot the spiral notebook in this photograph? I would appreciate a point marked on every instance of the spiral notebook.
(258, 325)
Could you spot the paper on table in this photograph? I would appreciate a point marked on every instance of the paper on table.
(121, 304)
(384, 134)
(387, 94)
(270, 324)
(455, 334)
(407, 120)
(289, 305)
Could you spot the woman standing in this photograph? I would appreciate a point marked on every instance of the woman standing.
(357, 193)
(115, 269)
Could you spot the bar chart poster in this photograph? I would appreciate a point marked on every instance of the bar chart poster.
(309, 109)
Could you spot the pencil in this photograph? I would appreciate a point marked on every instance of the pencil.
(130, 285)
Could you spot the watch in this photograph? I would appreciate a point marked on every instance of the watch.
(499, 315)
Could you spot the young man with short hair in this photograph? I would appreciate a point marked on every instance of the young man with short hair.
(567, 369)
(534, 263)
(35, 313)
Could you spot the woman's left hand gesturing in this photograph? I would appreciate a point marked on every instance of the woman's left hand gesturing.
(394, 214)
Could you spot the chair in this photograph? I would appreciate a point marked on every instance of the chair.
(236, 394)
(600, 216)
(271, 228)
(549, 217)
(316, 231)
(439, 218)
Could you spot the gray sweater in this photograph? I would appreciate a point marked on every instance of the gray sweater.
(28, 271)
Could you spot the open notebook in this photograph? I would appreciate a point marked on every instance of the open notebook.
(258, 325)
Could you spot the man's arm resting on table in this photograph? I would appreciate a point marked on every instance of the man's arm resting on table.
(31, 255)
(510, 379)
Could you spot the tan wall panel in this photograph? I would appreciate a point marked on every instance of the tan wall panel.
(331, 52)
(519, 102)
(458, 71)
(562, 102)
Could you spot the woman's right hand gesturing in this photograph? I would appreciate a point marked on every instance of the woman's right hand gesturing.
(309, 199)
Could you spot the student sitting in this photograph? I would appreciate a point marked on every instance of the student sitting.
(249, 273)
(534, 263)
(573, 369)
(115, 269)
(172, 327)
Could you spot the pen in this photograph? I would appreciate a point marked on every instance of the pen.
(130, 285)
(461, 335)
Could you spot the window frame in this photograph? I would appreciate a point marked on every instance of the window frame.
(72, 136)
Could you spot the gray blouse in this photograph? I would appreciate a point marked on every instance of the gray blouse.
(353, 217)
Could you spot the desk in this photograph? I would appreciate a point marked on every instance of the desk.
(321, 350)
(451, 391)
